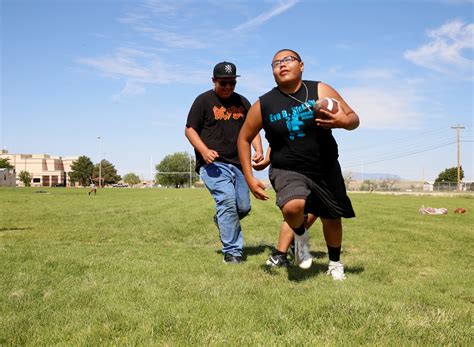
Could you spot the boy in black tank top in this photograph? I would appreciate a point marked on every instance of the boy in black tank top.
(305, 172)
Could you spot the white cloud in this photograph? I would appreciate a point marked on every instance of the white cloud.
(171, 39)
(281, 7)
(373, 74)
(159, 20)
(383, 97)
(121, 64)
(444, 53)
(384, 107)
(131, 88)
(139, 68)
(163, 22)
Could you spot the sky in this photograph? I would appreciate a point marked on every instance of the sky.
(115, 79)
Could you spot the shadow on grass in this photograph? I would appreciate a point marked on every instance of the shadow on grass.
(318, 254)
(252, 250)
(295, 274)
(257, 249)
(12, 229)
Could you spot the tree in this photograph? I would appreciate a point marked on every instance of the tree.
(450, 175)
(368, 185)
(131, 179)
(108, 173)
(392, 180)
(25, 177)
(4, 164)
(388, 183)
(174, 170)
(348, 179)
(81, 171)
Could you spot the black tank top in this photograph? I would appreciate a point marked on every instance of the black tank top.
(297, 143)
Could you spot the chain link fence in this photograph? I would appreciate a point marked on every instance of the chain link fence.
(408, 186)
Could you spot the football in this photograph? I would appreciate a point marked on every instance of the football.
(327, 104)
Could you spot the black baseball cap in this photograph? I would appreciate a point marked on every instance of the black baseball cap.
(225, 69)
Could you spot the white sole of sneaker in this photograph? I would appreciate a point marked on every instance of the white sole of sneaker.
(306, 264)
(338, 278)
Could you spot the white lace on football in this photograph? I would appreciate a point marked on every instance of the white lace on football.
(330, 104)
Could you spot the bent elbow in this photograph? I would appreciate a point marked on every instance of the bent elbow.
(355, 123)
(187, 131)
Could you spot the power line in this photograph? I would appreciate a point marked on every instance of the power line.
(401, 155)
(413, 138)
(417, 141)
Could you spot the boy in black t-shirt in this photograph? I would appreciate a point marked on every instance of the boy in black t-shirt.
(305, 172)
(212, 128)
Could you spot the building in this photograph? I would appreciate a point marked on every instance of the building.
(45, 170)
(7, 177)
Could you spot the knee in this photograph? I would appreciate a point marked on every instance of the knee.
(243, 211)
(332, 224)
(293, 209)
(226, 200)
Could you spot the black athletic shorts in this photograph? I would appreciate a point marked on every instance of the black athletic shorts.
(325, 196)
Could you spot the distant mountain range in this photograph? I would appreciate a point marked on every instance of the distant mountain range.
(374, 176)
(358, 176)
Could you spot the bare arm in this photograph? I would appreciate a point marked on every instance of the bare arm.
(257, 146)
(345, 118)
(250, 129)
(264, 163)
(208, 155)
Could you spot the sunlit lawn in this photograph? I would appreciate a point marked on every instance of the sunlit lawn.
(143, 267)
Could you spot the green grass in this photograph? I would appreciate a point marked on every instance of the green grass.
(143, 267)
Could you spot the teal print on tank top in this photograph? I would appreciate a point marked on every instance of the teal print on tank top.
(295, 119)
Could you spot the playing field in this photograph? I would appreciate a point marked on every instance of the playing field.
(143, 267)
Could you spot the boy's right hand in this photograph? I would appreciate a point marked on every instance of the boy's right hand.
(258, 189)
(261, 165)
(210, 156)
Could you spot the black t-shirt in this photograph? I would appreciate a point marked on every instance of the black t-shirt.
(218, 122)
(297, 143)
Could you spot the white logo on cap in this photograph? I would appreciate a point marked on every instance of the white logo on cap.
(228, 68)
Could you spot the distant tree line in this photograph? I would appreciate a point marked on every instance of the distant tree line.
(450, 175)
(83, 170)
(174, 170)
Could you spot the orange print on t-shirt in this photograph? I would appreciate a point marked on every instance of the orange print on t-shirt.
(221, 113)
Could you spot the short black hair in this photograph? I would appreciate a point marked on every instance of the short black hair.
(287, 49)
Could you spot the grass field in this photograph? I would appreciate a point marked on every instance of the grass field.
(143, 267)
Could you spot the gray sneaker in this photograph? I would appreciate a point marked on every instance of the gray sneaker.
(302, 256)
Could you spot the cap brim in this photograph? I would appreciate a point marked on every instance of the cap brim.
(223, 76)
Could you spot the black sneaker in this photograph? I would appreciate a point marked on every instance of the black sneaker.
(278, 260)
(232, 259)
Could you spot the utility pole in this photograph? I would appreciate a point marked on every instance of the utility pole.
(190, 171)
(151, 170)
(458, 127)
(100, 161)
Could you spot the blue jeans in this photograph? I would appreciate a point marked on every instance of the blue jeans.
(227, 185)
